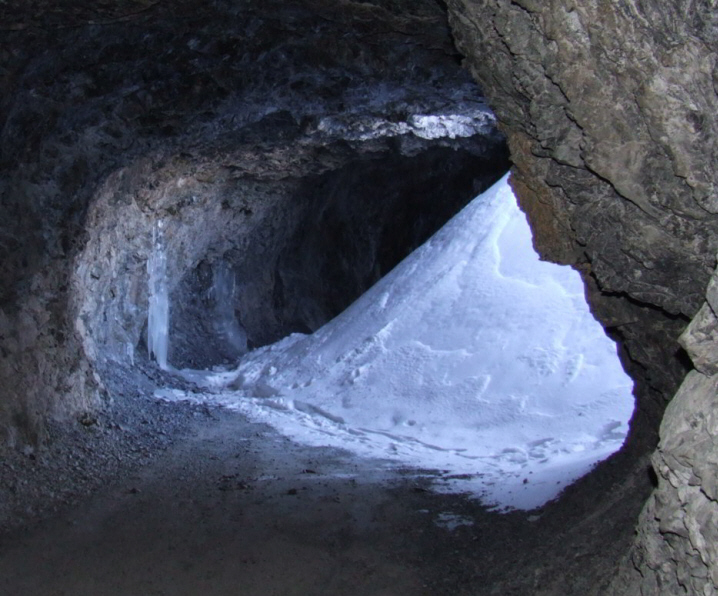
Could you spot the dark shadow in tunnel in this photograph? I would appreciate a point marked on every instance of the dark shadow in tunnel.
(349, 227)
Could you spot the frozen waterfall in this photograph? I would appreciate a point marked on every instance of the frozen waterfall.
(158, 315)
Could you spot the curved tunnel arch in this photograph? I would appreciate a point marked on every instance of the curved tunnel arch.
(568, 175)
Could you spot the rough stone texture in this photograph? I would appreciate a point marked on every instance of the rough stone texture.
(677, 545)
(214, 117)
(117, 114)
(701, 336)
(610, 111)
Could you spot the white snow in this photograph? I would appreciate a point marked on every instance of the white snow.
(448, 125)
(473, 120)
(472, 357)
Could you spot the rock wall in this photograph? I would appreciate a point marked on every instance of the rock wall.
(113, 115)
(214, 117)
(677, 547)
(610, 111)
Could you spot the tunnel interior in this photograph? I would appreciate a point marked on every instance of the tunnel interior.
(298, 251)
(286, 156)
(329, 241)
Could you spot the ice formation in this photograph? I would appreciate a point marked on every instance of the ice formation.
(158, 315)
(225, 320)
(472, 357)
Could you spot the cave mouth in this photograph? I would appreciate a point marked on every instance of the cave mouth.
(205, 266)
(471, 356)
(278, 216)
(153, 127)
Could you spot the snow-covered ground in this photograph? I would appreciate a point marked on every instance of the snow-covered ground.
(471, 357)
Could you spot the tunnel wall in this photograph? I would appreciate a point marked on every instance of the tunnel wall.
(112, 119)
(610, 110)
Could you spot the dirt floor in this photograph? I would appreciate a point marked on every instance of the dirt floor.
(230, 507)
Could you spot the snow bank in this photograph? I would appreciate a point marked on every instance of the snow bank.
(471, 357)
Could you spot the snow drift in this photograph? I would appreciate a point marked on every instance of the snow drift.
(472, 358)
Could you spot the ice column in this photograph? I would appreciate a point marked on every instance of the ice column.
(226, 324)
(158, 316)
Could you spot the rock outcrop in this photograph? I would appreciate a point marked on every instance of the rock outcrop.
(610, 111)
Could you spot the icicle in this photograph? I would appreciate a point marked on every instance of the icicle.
(158, 316)
(226, 324)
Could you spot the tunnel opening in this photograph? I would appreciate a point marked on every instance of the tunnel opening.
(102, 334)
(225, 263)
(293, 223)
(469, 351)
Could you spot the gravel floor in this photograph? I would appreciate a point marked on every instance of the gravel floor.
(154, 498)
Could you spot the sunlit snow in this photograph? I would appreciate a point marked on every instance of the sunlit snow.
(471, 357)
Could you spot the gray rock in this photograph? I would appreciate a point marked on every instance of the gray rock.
(700, 339)
(610, 111)
(224, 119)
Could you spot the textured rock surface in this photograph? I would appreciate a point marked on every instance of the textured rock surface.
(209, 115)
(610, 113)
(677, 547)
(215, 118)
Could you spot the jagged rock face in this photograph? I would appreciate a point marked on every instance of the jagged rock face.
(255, 132)
(610, 110)
(221, 119)
(300, 247)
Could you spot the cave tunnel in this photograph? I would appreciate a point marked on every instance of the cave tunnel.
(269, 162)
